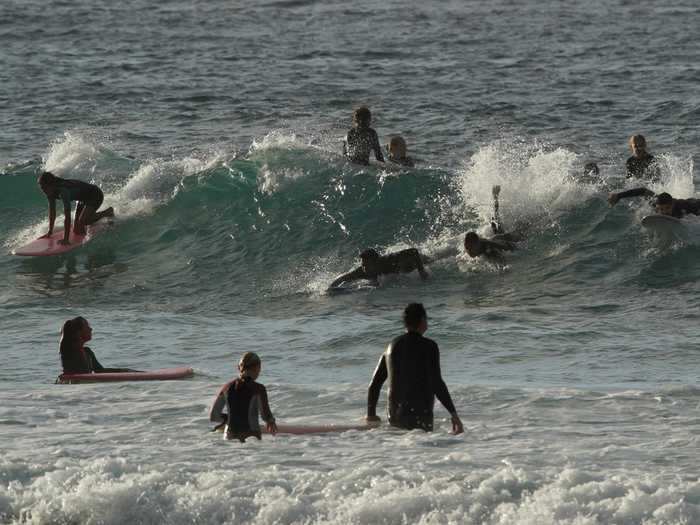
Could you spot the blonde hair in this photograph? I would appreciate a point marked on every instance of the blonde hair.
(397, 147)
(248, 361)
(639, 140)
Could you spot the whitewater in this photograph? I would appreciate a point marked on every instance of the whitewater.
(215, 131)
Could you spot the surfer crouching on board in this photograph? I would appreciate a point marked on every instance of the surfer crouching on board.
(494, 247)
(76, 358)
(88, 196)
(664, 204)
(412, 364)
(374, 265)
(245, 400)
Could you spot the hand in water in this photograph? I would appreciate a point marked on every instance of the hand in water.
(457, 427)
(271, 427)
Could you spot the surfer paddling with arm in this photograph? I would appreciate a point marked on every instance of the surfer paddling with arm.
(373, 265)
(664, 203)
(76, 358)
(245, 400)
(88, 196)
(493, 248)
(411, 362)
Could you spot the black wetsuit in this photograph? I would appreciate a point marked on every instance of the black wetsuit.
(82, 192)
(645, 167)
(246, 400)
(412, 364)
(360, 142)
(80, 361)
(403, 261)
(680, 208)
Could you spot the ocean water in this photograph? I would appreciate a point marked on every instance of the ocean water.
(215, 130)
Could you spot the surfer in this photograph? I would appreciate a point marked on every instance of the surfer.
(492, 248)
(361, 140)
(76, 358)
(397, 152)
(88, 196)
(373, 265)
(664, 203)
(411, 362)
(641, 165)
(245, 400)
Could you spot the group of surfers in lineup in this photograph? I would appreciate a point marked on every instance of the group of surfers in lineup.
(411, 362)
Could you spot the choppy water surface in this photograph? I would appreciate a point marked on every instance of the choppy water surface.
(214, 129)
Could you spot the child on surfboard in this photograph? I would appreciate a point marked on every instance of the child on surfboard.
(88, 196)
(245, 400)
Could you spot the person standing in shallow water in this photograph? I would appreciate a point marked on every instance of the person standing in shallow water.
(412, 364)
(641, 165)
(361, 140)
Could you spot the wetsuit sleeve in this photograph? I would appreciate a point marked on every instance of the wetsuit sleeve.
(688, 206)
(377, 148)
(265, 411)
(216, 414)
(94, 363)
(636, 192)
(441, 391)
(375, 387)
(356, 274)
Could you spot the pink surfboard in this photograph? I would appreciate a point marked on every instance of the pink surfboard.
(317, 429)
(50, 246)
(165, 374)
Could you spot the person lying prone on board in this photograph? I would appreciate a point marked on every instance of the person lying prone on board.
(373, 265)
(493, 248)
(245, 400)
(88, 196)
(663, 204)
(76, 358)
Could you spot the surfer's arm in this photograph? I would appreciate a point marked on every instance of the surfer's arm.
(52, 216)
(443, 394)
(375, 388)
(216, 414)
(418, 262)
(265, 411)
(689, 206)
(356, 274)
(66, 222)
(613, 198)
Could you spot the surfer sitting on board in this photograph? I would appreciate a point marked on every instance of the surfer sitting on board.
(664, 204)
(361, 140)
(245, 400)
(374, 265)
(412, 364)
(494, 247)
(641, 165)
(76, 358)
(88, 196)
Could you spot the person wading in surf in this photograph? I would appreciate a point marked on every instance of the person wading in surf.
(88, 196)
(412, 364)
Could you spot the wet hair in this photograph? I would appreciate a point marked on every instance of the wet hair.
(362, 116)
(413, 314)
(248, 361)
(639, 140)
(47, 177)
(591, 168)
(471, 237)
(397, 144)
(369, 253)
(70, 334)
(663, 199)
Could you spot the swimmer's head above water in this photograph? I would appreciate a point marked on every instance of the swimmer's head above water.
(472, 244)
(415, 318)
(362, 117)
(370, 261)
(638, 145)
(397, 148)
(664, 204)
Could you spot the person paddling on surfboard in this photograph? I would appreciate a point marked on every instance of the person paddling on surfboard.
(374, 265)
(493, 248)
(412, 364)
(76, 358)
(245, 400)
(88, 196)
(664, 203)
